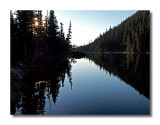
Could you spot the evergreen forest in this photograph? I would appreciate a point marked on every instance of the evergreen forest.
(131, 36)
(35, 39)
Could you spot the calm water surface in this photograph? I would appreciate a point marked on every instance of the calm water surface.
(96, 85)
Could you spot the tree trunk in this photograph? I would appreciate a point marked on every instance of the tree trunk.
(25, 51)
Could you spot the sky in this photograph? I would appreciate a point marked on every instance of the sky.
(88, 24)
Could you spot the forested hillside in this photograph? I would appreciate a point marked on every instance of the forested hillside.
(131, 36)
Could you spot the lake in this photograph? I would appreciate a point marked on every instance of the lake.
(99, 84)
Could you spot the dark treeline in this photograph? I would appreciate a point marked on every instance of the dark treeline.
(34, 38)
(133, 69)
(131, 36)
(39, 59)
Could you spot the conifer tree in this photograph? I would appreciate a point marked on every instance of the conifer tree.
(25, 25)
(62, 36)
(53, 26)
(69, 36)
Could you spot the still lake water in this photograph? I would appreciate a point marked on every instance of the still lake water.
(99, 84)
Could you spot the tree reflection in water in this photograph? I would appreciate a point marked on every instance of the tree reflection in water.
(41, 82)
(134, 69)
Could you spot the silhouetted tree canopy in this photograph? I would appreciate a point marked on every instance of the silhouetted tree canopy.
(34, 39)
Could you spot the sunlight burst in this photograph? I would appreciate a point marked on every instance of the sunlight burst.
(36, 23)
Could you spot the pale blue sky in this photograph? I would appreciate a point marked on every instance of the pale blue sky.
(88, 24)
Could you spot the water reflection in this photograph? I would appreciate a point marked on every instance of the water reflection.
(94, 91)
(130, 68)
(41, 82)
